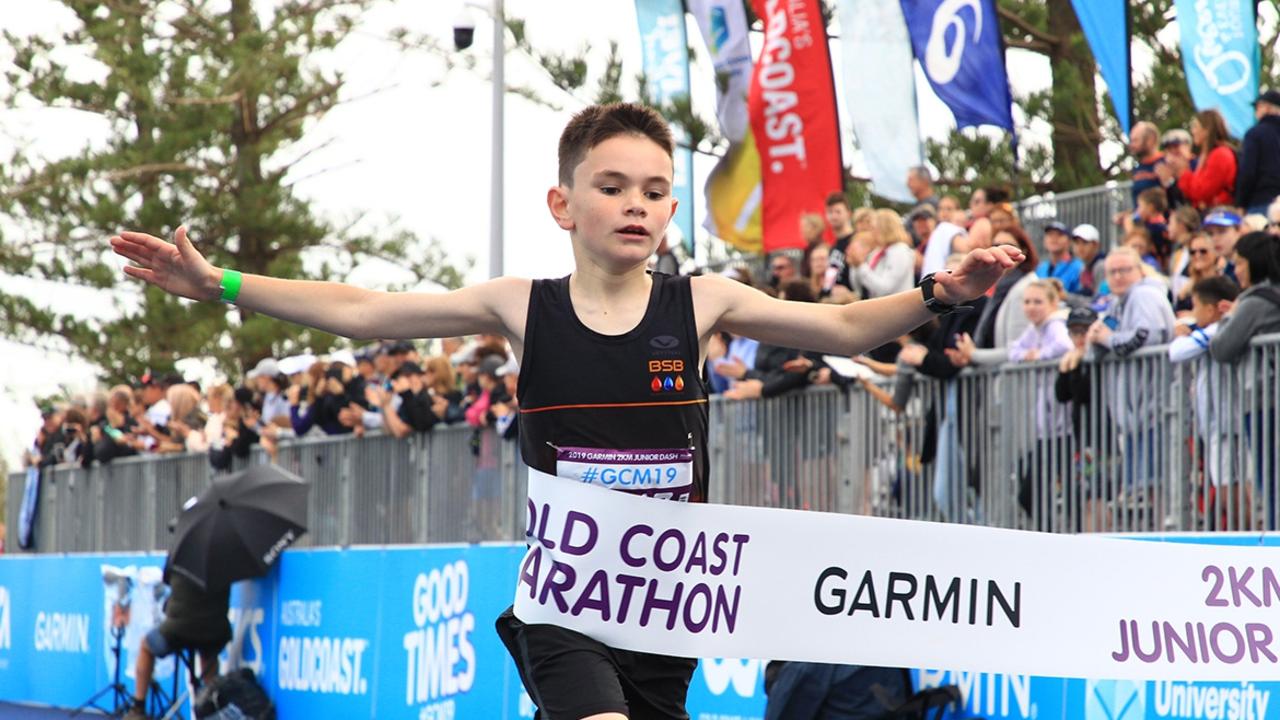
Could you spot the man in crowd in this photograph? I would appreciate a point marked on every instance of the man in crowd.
(1144, 142)
(1258, 177)
(1140, 316)
(1060, 263)
(782, 269)
(940, 240)
(840, 218)
(920, 184)
(1086, 244)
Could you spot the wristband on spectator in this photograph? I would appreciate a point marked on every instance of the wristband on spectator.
(230, 285)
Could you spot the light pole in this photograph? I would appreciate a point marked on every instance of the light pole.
(496, 162)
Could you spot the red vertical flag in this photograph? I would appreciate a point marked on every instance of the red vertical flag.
(793, 117)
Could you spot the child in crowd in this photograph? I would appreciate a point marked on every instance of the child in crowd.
(1140, 240)
(1046, 337)
(1211, 299)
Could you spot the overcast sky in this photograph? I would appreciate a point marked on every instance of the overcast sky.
(410, 147)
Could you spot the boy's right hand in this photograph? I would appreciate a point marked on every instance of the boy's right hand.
(176, 268)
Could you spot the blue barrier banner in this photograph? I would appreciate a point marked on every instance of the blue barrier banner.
(1220, 55)
(665, 51)
(958, 44)
(1106, 27)
(407, 632)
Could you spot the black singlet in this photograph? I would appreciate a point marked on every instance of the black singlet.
(641, 390)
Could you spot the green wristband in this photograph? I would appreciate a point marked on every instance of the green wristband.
(230, 284)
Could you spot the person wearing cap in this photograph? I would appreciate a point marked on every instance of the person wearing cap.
(1061, 263)
(1213, 181)
(1223, 227)
(1258, 179)
(1087, 247)
(270, 382)
(1074, 385)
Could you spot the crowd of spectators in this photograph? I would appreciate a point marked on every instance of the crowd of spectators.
(389, 387)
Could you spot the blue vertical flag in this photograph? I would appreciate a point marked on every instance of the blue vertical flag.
(958, 44)
(665, 50)
(1106, 27)
(1220, 55)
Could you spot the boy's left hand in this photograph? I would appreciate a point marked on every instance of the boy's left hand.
(979, 271)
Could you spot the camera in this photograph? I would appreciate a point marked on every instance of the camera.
(464, 31)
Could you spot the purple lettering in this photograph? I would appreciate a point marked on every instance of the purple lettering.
(587, 601)
(698, 555)
(1122, 654)
(1259, 639)
(670, 534)
(739, 540)
(653, 602)
(1155, 653)
(1213, 600)
(1270, 587)
(557, 587)
(625, 548)
(726, 609)
(700, 590)
(717, 549)
(541, 535)
(533, 518)
(1240, 586)
(1217, 632)
(629, 583)
(571, 520)
(529, 569)
(1172, 638)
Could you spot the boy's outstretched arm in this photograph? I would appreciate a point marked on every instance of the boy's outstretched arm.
(725, 305)
(178, 268)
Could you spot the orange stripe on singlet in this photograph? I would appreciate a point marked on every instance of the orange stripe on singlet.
(658, 403)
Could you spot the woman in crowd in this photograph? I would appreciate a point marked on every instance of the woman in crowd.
(1001, 319)
(817, 258)
(328, 397)
(1184, 223)
(1213, 181)
(186, 421)
(1202, 262)
(888, 269)
(442, 382)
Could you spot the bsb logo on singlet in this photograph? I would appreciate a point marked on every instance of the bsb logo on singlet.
(665, 367)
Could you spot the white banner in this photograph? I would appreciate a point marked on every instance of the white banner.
(880, 92)
(722, 581)
(723, 24)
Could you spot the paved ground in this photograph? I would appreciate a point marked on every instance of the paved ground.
(9, 711)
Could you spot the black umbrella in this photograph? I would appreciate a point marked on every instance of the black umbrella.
(238, 527)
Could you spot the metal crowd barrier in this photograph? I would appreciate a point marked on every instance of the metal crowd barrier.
(1095, 205)
(1150, 446)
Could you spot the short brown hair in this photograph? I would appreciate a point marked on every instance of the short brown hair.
(838, 198)
(597, 123)
(1156, 198)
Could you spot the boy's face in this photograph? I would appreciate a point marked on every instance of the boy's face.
(620, 203)
(838, 216)
(1204, 313)
(1145, 210)
(1224, 239)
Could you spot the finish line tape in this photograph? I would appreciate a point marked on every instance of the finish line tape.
(701, 580)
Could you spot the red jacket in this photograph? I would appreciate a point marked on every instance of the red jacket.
(1213, 182)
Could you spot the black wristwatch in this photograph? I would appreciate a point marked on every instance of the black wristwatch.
(935, 305)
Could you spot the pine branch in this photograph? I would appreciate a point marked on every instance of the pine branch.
(1026, 27)
(1036, 46)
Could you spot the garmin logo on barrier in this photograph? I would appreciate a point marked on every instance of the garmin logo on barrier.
(6, 636)
(987, 694)
(441, 642)
(62, 632)
(722, 673)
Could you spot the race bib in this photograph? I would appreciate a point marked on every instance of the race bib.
(658, 473)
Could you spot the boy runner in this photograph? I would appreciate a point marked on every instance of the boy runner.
(610, 359)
